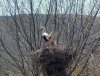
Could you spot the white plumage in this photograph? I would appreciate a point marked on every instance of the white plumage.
(45, 36)
(48, 39)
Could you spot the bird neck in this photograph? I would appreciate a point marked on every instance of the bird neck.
(44, 30)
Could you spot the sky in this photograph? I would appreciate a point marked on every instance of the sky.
(7, 6)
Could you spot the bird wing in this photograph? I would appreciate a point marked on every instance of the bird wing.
(53, 34)
(52, 37)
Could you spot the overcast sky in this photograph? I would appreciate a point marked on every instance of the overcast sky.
(5, 6)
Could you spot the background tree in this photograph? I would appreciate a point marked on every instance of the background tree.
(75, 24)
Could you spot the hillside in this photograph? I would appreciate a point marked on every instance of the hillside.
(24, 23)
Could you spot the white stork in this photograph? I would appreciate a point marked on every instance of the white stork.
(45, 35)
(48, 38)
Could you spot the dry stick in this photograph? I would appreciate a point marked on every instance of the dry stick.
(26, 39)
(13, 64)
(24, 57)
(21, 53)
(16, 22)
(93, 62)
(17, 31)
(32, 23)
(19, 49)
(38, 40)
(13, 58)
(87, 35)
(55, 17)
(93, 49)
(83, 67)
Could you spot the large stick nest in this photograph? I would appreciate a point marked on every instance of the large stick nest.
(54, 59)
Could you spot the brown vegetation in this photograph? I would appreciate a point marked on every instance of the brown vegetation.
(54, 59)
(77, 51)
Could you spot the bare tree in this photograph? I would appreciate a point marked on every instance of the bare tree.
(74, 27)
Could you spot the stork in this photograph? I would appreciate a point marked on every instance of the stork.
(48, 38)
(45, 35)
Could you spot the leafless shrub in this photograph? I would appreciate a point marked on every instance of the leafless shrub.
(74, 30)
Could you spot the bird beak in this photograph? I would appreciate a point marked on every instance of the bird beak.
(41, 28)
